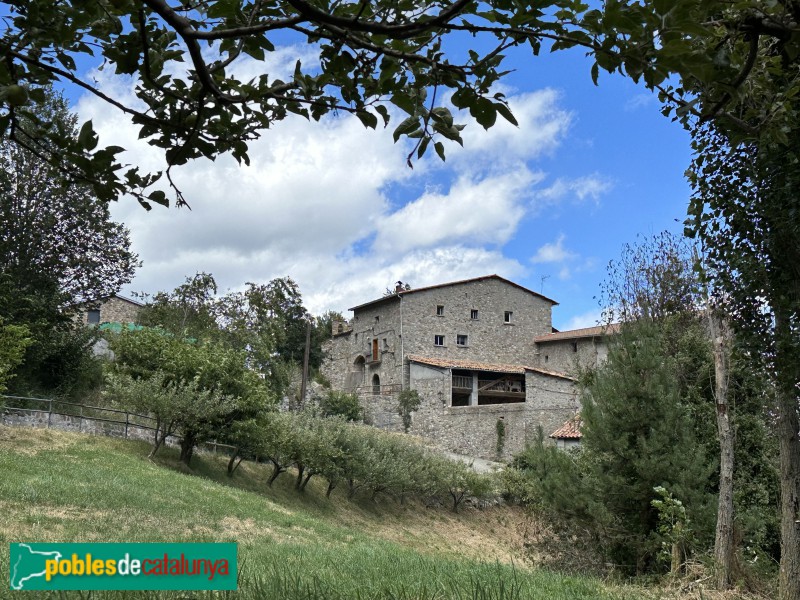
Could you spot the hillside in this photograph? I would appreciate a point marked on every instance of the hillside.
(65, 487)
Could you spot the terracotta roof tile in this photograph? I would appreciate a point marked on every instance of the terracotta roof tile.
(571, 430)
(472, 365)
(598, 331)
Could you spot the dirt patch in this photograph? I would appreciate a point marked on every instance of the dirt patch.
(491, 534)
(248, 530)
(30, 441)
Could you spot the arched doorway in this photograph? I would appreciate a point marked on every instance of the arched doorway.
(376, 385)
(355, 378)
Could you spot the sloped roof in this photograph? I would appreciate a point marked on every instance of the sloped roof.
(571, 430)
(572, 334)
(472, 365)
(451, 283)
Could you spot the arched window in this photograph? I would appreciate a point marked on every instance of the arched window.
(376, 384)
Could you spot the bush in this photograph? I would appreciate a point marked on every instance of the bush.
(341, 404)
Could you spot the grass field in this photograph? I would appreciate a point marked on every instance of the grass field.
(57, 486)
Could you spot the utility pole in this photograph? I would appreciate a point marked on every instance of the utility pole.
(304, 383)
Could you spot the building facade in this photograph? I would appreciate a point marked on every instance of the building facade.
(113, 309)
(472, 349)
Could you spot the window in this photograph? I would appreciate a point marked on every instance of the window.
(574, 346)
(473, 314)
(375, 349)
(93, 316)
(440, 311)
(376, 385)
(377, 318)
(438, 340)
(461, 340)
(507, 317)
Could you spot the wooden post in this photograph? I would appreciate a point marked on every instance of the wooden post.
(127, 421)
(50, 414)
(80, 420)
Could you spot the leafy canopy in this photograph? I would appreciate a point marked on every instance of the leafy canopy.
(187, 64)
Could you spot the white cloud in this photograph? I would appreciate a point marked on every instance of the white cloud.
(589, 186)
(587, 319)
(553, 253)
(473, 212)
(315, 202)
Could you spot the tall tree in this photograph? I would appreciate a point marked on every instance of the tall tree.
(746, 208)
(58, 248)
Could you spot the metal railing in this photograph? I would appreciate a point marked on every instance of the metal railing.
(61, 414)
(387, 389)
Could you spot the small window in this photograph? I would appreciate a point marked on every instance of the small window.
(377, 318)
(473, 314)
(440, 311)
(546, 358)
(574, 346)
(385, 344)
(461, 340)
(93, 316)
(438, 340)
(508, 316)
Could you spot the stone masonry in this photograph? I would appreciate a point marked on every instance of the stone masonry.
(484, 330)
(113, 309)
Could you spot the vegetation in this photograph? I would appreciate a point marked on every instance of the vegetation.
(58, 249)
(71, 488)
(341, 404)
(642, 486)
(725, 61)
(205, 387)
(407, 402)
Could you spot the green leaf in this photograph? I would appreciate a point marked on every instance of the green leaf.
(368, 119)
(159, 197)
(87, 138)
(506, 113)
(439, 147)
(410, 125)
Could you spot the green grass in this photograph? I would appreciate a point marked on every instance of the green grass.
(71, 488)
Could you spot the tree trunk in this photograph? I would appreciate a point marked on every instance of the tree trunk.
(301, 469)
(724, 546)
(232, 461)
(187, 448)
(276, 470)
(303, 485)
(789, 444)
(331, 486)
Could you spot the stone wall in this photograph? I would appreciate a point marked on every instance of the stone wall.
(472, 430)
(489, 337)
(113, 310)
(561, 355)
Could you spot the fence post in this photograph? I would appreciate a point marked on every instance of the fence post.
(50, 414)
(127, 417)
(80, 420)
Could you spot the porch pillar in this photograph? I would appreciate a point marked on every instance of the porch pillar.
(473, 398)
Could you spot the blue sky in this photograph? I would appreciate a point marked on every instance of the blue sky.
(335, 207)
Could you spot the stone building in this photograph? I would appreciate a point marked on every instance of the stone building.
(473, 350)
(113, 309)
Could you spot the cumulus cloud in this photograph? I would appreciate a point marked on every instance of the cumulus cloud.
(587, 319)
(316, 201)
(586, 187)
(553, 253)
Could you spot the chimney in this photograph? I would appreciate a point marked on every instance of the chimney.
(399, 287)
